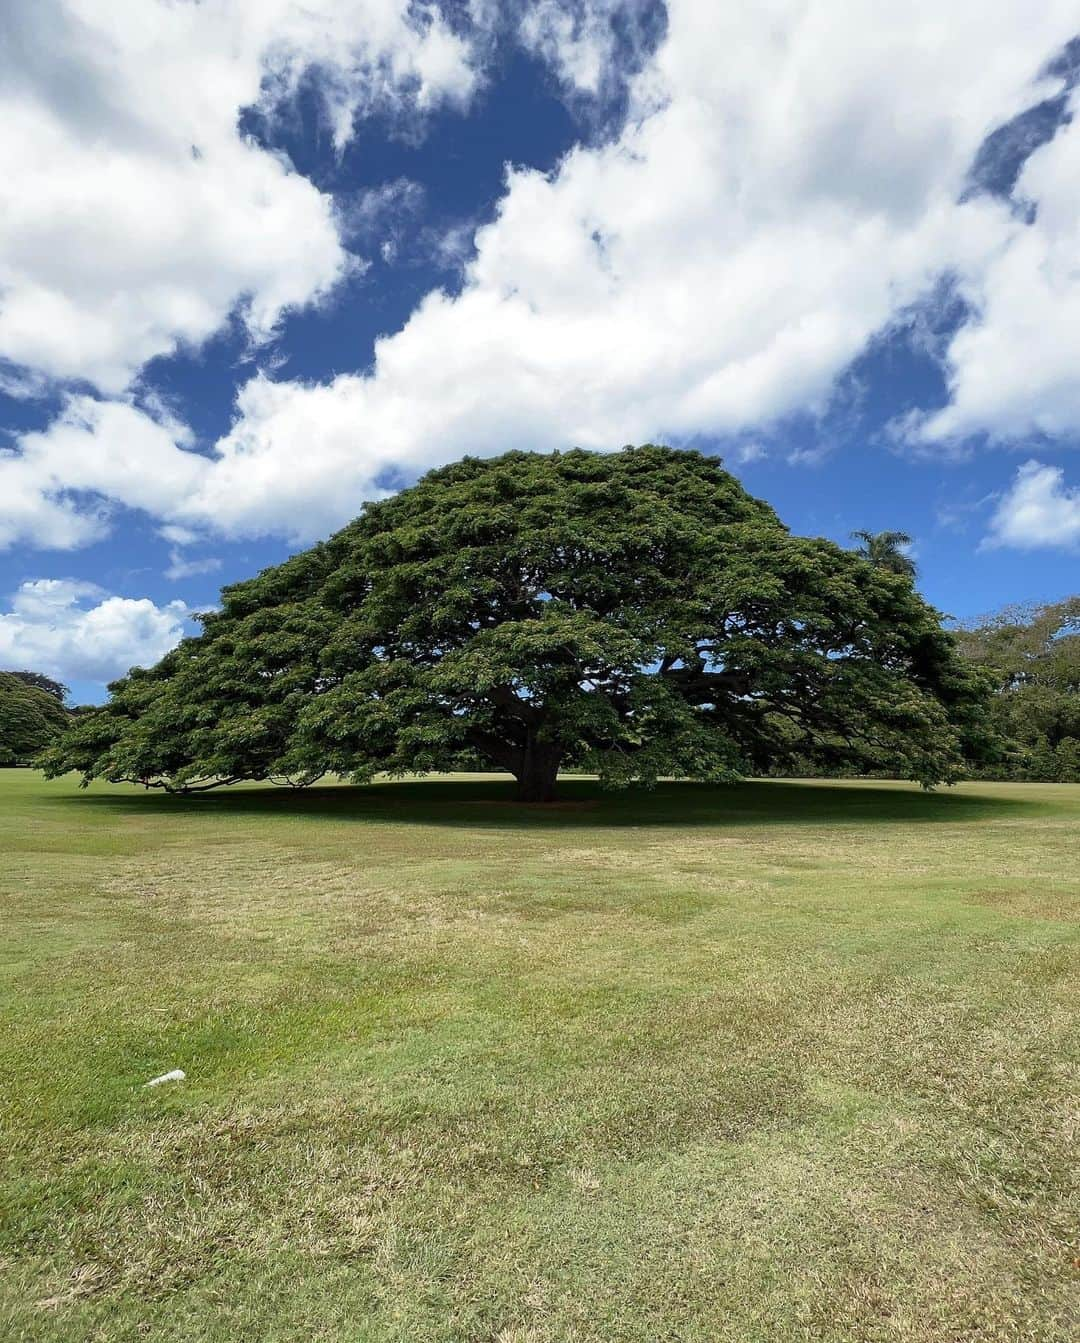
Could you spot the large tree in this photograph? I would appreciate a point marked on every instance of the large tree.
(1032, 655)
(30, 718)
(635, 614)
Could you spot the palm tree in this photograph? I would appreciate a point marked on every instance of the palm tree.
(887, 551)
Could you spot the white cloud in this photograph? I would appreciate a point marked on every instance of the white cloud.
(178, 536)
(107, 451)
(181, 568)
(379, 210)
(1039, 511)
(751, 451)
(581, 42)
(787, 181)
(76, 632)
(1013, 367)
(134, 216)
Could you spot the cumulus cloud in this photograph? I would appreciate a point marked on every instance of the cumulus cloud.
(789, 177)
(134, 215)
(102, 451)
(1013, 367)
(76, 632)
(1039, 511)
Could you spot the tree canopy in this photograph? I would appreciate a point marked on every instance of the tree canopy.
(30, 718)
(1032, 654)
(636, 614)
(55, 688)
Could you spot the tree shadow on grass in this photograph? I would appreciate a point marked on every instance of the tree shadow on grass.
(490, 804)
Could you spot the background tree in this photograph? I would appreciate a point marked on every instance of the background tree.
(886, 550)
(1032, 654)
(55, 688)
(636, 614)
(30, 718)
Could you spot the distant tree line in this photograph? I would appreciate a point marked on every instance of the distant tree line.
(1032, 655)
(32, 715)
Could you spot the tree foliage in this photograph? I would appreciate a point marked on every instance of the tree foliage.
(55, 688)
(1032, 654)
(887, 550)
(30, 718)
(636, 614)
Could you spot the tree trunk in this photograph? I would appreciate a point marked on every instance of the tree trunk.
(537, 772)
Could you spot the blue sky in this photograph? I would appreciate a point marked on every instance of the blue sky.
(260, 262)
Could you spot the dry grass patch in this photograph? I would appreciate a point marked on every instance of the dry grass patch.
(783, 1062)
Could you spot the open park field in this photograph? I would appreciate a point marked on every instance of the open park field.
(786, 1061)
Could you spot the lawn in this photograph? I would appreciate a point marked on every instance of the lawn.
(775, 1062)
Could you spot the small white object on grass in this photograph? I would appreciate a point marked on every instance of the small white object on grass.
(177, 1075)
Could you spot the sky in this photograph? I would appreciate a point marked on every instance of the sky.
(264, 260)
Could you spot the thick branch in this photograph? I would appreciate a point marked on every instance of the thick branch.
(183, 788)
(501, 752)
(693, 680)
(504, 697)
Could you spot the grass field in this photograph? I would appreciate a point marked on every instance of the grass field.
(776, 1062)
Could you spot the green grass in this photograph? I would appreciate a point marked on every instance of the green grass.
(776, 1062)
